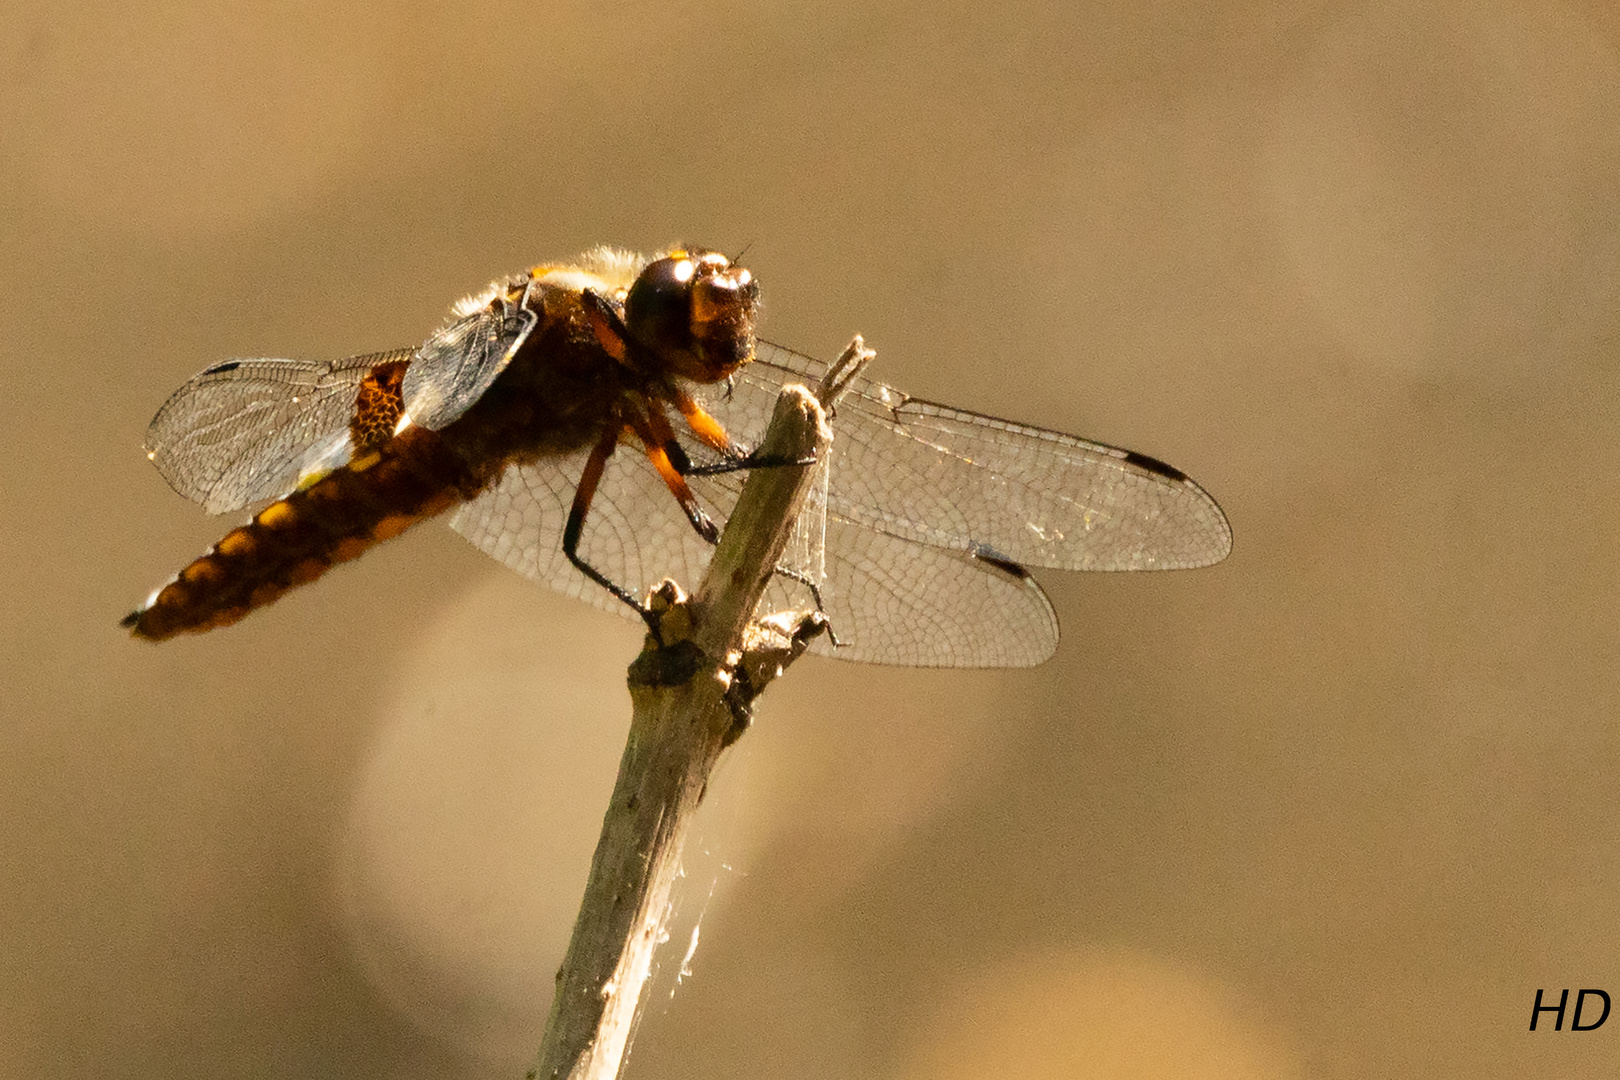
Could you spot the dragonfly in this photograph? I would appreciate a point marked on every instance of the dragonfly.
(589, 423)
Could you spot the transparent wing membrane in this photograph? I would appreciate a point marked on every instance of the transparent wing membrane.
(455, 366)
(965, 482)
(245, 430)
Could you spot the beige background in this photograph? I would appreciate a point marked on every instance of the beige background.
(1335, 809)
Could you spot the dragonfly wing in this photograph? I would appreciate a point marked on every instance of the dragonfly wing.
(917, 540)
(890, 600)
(948, 478)
(454, 367)
(246, 430)
(635, 532)
(894, 601)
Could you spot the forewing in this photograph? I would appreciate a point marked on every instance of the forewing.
(973, 484)
(246, 430)
(456, 365)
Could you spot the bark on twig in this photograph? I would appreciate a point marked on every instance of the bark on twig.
(690, 697)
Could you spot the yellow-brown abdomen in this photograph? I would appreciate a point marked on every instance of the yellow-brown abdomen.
(412, 477)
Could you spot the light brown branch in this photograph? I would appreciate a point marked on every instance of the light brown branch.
(690, 697)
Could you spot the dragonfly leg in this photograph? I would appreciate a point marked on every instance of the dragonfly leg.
(754, 460)
(584, 492)
(709, 431)
(712, 434)
(669, 457)
(815, 595)
(666, 455)
(606, 323)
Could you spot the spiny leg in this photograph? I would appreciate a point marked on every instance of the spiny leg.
(584, 492)
(712, 434)
(684, 466)
(667, 456)
(670, 459)
(605, 323)
(664, 451)
(709, 431)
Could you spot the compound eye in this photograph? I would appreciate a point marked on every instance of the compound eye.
(659, 307)
(692, 315)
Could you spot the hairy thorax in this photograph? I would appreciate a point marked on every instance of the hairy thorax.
(559, 391)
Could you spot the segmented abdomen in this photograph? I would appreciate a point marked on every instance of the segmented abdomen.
(410, 478)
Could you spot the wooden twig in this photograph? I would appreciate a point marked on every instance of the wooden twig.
(690, 694)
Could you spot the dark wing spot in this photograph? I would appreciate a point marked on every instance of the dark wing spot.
(130, 620)
(218, 369)
(1154, 465)
(986, 553)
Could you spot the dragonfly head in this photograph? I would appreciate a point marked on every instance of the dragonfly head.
(693, 311)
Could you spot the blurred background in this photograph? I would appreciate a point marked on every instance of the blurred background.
(1335, 808)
